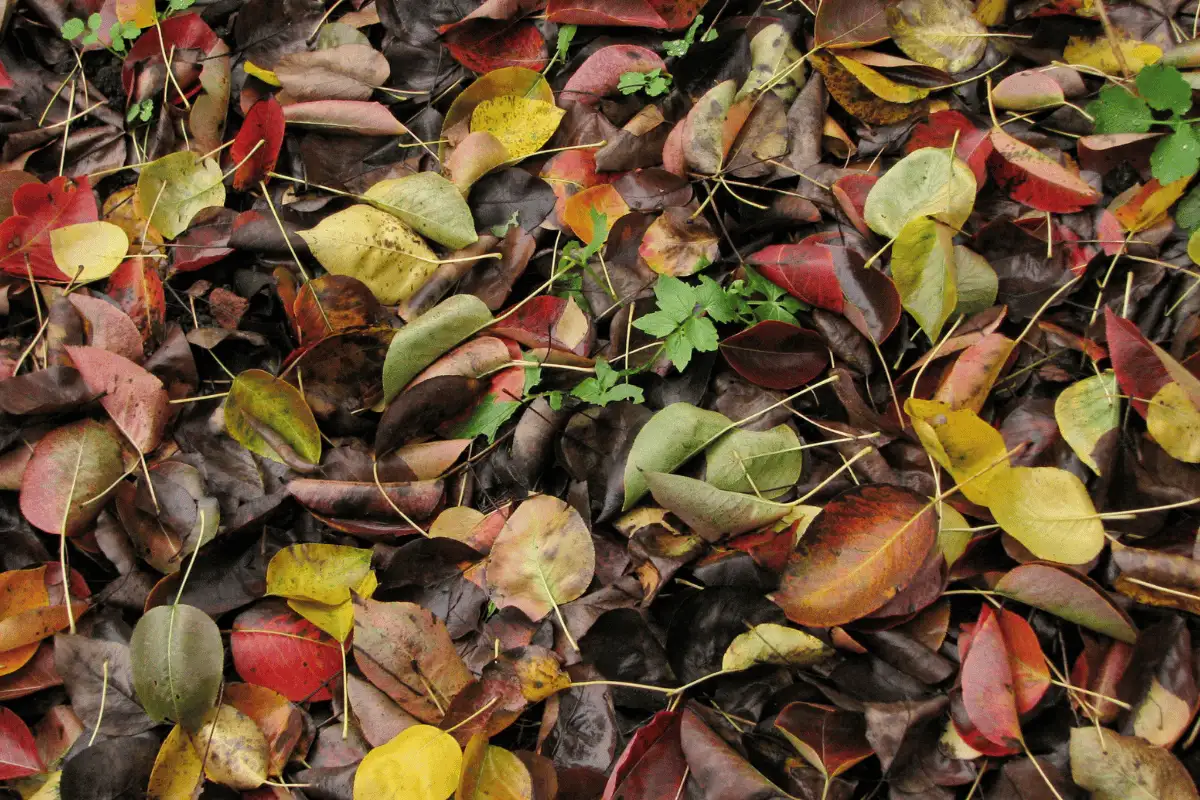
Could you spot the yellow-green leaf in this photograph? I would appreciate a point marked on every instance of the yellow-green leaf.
(421, 763)
(88, 251)
(269, 417)
(1087, 410)
(969, 448)
(317, 580)
(941, 34)
(1049, 511)
(235, 750)
(769, 643)
(1098, 53)
(374, 247)
(176, 188)
(954, 534)
(880, 85)
(977, 283)
(930, 182)
(925, 275)
(492, 773)
(522, 124)
(432, 205)
(1175, 423)
(178, 768)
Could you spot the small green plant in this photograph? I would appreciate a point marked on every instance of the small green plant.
(1160, 89)
(122, 34)
(679, 47)
(740, 301)
(603, 388)
(566, 35)
(653, 83)
(676, 322)
(142, 111)
(574, 258)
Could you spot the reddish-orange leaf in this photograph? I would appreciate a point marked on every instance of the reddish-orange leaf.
(988, 689)
(256, 146)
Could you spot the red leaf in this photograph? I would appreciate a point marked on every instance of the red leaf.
(776, 355)
(482, 45)
(1035, 179)
(38, 209)
(600, 74)
(364, 117)
(805, 270)
(182, 32)
(274, 647)
(206, 239)
(851, 193)
(835, 738)
(18, 750)
(1031, 676)
(264, 123)
(138, 290)
(134, 398)
(1140, 371)
(987, 683)
(652, 765)
(548, 321)
(658, 14)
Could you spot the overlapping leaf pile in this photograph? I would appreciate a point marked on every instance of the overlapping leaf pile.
(622, 399)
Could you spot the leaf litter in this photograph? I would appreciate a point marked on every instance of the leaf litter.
(625, 400)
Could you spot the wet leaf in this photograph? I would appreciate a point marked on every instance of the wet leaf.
(88, 251)
(429, 203)
(177, 187)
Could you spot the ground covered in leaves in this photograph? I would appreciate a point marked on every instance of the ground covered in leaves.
(623, 399)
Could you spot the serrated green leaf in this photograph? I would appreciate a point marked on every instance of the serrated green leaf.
(1177, 156)
(1187, 213)
(72, 28)
(1120, 111)
(487, 419)
(1164, 89)
(701, 333)
(721, 305)
(676, 298)
(679, 350)
(656, 323)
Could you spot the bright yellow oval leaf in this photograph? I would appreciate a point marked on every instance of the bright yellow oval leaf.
(769, 643)
(493, 773)
(317, 580)
(177, 768)
(88, 251)
(522, 124)
(375, 247)
(1049, 511)
(1098, 53)
(969, 448)
(421, 763)
(881, 85)
(1175, 423)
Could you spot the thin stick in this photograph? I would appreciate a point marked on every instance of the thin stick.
(396, 508)
(103, 701)
(62, 158)
(473, 715)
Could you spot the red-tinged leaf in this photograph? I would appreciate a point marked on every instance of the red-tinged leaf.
(989, 694)
(968, 383)
(333, 303)
(38, 209)
(206, 241)
(569, 172)
(776, 354)
(138, 290)
(135, 399)
(598, 76)
(477, 357)
(335, 117)
(652, 765)
(1140, 372)
(1070, 595)
(806, 270)
(851, 193)
(657, 14)
(1035, 179)
(6, 81)
(831, 739)
(18, 749)
(859, 553)
(712, 762)
(70, 468)
(274, 647)
(256, 146)
(354, 499)
(548, 321)
(177, 33)
(1031, 676)
(602, 199)
(851, 23)
(37, 674)
(483, 45)
(940, 129)
(108, 327)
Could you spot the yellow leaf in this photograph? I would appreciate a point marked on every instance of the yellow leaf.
(177, 187)
(1098, 53)
(263, 74)
(521, 124)
(969, 448)
(374, 247)
(930, 182)
(492, 773)
(88, 251)
(769, 643)
(177, 768)
(923, 268)
(939, 33)
(335, 619)
(320, 573)
(139, 12)
(954, 534)
(235, 750)
(990, 12)
(1087, 410)
(1049, 511)
(881, 85)
(1148, 205)
(1175, 423)
(421, 763)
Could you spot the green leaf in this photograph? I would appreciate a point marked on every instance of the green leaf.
(701, 333)
(72, 28)
(487, 418)
(269, 416)
(668, 440)
(679, 47)
(930, 182)
(566, 34)
(923, 268)
(177, 663)
(1177, 156)
(722, 305)
(675, 297)
(711, 512)
(94, 22)
(147, 109)
(742, 461)
(631, 82)
(659, 324)
(419, 343)
(603, 389)
(658, 85)
(432, 205)
(130, 30)
(1119, 111)
(1164, 88)
(1187, 213)
(679, 350)
(90, 38)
